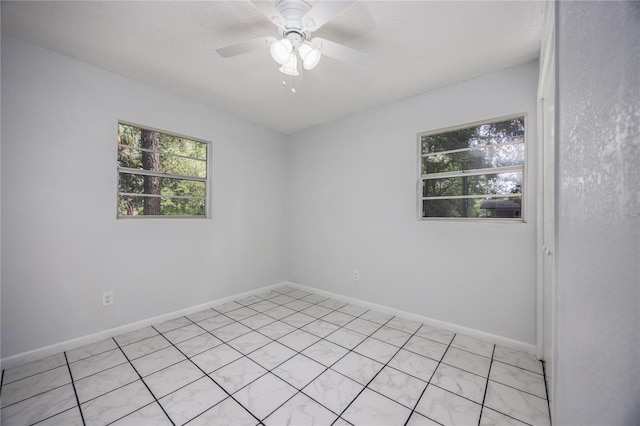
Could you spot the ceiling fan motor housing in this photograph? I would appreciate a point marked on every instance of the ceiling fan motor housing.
(293, 11)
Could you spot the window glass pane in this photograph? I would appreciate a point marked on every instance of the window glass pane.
(487, 184)
(139, 184)
(156, 206)
(142, 160)
(473, 208)
(141, 138)
(479, 158)
(507, 131)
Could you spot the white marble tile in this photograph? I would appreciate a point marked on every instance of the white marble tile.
(298, 319)
(332, 303)
(268, 294)
(282, 299)
(249, 300)
(96, 363)
(436, 334)
(249, 342)
(314, 298)
(402, 324)
(517, 404)
(279, 312)
(398, 386)
(241, 313)
(298, 305)
(105, 381)
(518, 359)
(358, 367)
(493, 418)
(448, 408)
(320, 328)
(376, 349)
(215, 358)
(172, 378)
(91, 349)
(346, 338)
(464, 360)
(362, 326)
(39, 407)
(70, 417)
(202, 315)
(297, 293)
(325, 352)
(416, 365)
(353, 310)
(215, 322)
(298, 340)
(392, 336)
(276, 330)
(474, 345)
(226, 413)
(377, 317)
(333, 390)
(371, 408)
(426, 347)
(33, 385)
(300, 410)
(158, 360)
(149, 415)
(198, 344)
(192, 400)
(460, 382)
(227, 307)
(237, 374)
(418, 419)
(338, 318)
(271, 355)
(184, 333)
(264, 395)
(518, 378)
(257, 321)
(341, 422)
(145, 347)
(135, 335)
(172, 324)
(263, 306)
(34, 367)
(114, 405)
(299, 371)
(231, 331)
(316, 311)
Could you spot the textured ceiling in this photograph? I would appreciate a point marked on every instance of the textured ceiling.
(414, 46)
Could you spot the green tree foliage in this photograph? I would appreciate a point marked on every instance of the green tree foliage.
(480, 147)
(182, 158)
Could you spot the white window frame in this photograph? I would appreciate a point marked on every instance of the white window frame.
(206, 180)
(472, 172)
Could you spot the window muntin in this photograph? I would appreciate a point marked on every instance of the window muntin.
(474, 171)
(160, 174)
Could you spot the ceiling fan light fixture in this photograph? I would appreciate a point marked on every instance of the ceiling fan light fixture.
(281, 51)
(291, 67)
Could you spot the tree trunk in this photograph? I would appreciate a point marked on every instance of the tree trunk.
(151, 162)
(465, 201)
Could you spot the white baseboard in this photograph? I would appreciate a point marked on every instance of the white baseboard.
(67, 345)
(492, 338)
(57, 348)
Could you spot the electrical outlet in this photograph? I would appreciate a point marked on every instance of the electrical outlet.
(107, 298)
(356, 275)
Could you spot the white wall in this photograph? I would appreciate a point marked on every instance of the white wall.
(598, 282)
(61, 243)
(352, 205)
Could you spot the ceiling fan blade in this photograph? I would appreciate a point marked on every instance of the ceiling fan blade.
(323, 12)
(342, 53)
(269, 10)
(247, 46)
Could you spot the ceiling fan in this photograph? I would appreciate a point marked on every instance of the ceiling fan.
(296, 20)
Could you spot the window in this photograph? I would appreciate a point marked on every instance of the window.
(160, 175)
(473, 172)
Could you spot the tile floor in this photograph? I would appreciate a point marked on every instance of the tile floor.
(283, 357)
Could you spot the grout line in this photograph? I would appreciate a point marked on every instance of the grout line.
(75, 392)
(486, 385)
(546, 389)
